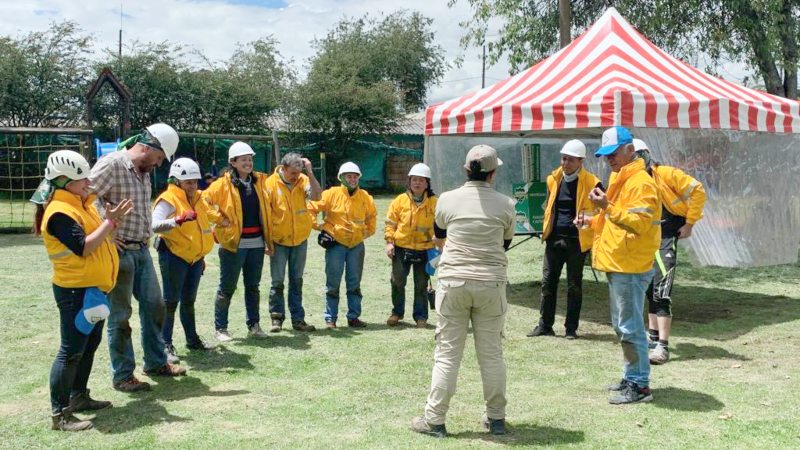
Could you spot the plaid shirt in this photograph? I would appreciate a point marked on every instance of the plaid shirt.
(114, 179)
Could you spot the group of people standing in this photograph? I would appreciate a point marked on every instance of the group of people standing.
(97, 223)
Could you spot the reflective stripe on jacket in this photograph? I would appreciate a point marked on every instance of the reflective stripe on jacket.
(409, 225)
(628, 230)
(224, 202)
(681, 194)
(189, 241)
(290, 222)
(348, 218)
(97, 269)
(586, 182)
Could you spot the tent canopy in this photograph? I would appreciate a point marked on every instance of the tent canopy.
(612, 75)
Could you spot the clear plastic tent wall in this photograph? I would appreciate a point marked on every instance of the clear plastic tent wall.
(751, 217)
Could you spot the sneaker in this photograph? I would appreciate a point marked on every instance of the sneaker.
(167, 370)
(422, 323)
(632, 393)
(172, 354)
(83, 402)
(571, 335)
(277, 326)
(494, 426)
(659, 355)
(419, 425)
(223, 335)
(301, 325)
(617, 386)
(132, 384)
(256, 331)
(330, 324)
(65, 421)
(541, 331)
(393, 320)
(356, 323)
(201, 345)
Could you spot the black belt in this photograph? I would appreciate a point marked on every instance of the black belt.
(133, 245)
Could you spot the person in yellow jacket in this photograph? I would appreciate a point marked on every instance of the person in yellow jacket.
(568, 190)
(239, 207)
(409, 236)
(288, 190)
(181, 218)
(350, 217)
(627, 234)
(85, 263)
(682, 198)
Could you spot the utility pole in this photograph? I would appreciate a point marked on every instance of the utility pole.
(483, 68)
(119, 52)
(564, 22)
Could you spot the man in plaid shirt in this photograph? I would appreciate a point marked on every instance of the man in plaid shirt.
(126, 175)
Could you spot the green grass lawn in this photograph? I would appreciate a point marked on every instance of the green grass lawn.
(734, 381)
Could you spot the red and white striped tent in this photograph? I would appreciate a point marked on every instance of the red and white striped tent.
(612, 75)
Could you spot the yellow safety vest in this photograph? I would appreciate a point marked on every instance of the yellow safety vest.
(586, 182)
(348, 218)
(189, 241)
(291, 224)
(409, 225)
(681, 194)
(97, 269)
(224, 202)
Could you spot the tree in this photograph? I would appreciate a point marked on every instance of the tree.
(366, 73)
(761, 34)
(43, 76)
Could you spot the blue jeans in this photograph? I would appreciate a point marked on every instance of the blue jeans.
(339, 259)
(73, 364)
(249, 262)
(181, 280)
(137, 278)
(626, 292)
(295, 257)
(400, 271)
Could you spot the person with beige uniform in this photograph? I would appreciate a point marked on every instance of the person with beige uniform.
(478, 224)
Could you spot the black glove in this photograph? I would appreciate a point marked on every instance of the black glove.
(325, 240)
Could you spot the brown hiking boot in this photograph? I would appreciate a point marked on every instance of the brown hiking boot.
(132, 384)
(422, 323)
(330, 325)
(65, 421)
(167, 370)
(356, 323)
(301, 325)
(393, 320)
(277, 325)
(419, 425)
(83, 402)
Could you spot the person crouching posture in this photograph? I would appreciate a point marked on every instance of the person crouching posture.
(350, 217)
(180, 217)
(85, 265)
(409, 235)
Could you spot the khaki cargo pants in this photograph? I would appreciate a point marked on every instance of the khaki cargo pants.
(457, 303)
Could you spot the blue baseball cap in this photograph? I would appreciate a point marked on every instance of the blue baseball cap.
(95, 309)
(613, 138)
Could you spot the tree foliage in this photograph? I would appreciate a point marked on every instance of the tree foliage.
(762, 34)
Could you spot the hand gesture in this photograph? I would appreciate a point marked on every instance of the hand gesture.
(186, 216)
(598, 198)
(307, 165)
(122, 209)
(390, 250)
(685, 231)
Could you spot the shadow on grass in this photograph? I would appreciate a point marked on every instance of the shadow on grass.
(704, 312)
(688, 351)
(684, 400)
(293, 339)
(220, 358)
(524, 434)
(148, 408)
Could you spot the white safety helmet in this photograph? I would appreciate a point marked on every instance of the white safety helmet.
(66, 163)
(184, 169)
(639, 145)
(349, 167)
(574, 148)
(166, 136)
(239, 148)
(420, 170)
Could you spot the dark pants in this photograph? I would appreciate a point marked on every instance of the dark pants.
(400, 271)
(560, 251)
(659, 293)
(73, 364)
(180, 280)
(249, 262)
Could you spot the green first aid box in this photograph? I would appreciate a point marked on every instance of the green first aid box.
(530, 198)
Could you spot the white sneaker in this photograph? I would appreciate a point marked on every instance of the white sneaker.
(256, 331)
(223, 336)
(659, 355)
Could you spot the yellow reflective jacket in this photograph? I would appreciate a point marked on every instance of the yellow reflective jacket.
(224, 202)
(348, 218)
(409, 225)
(291, 224)
(681, 194)
(628, 230)
(189, 241)
(586, 182)
(97, 269)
